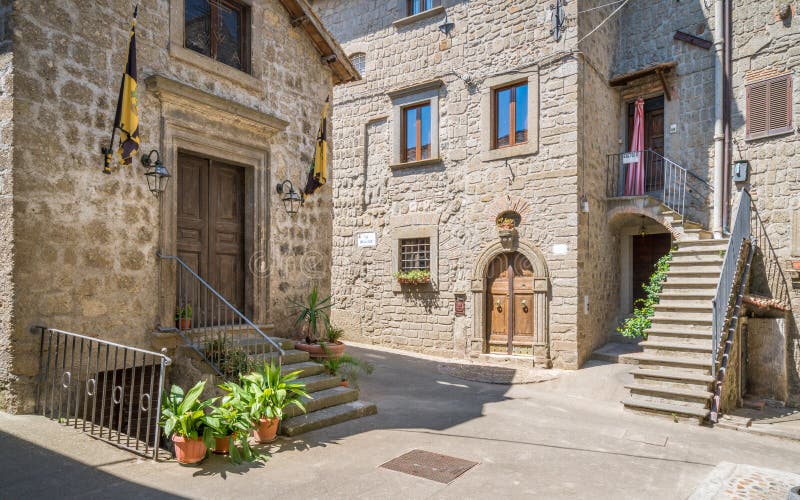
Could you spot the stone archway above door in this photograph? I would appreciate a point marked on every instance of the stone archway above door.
(541, 297)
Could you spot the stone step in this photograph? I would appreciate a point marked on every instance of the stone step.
(306, 368)
(675, 375)
(693, 234)
(695, 306)
(327, 417)
(702, 294)
(681, 318)
(688, 347)
(324, 399)
(677, 330)
(320, 382)
(290, 356)
(697, 395)
(697, 272)
(689, 282)
(709, 243)
(690, 261)
(657, 361)
(666, 409)
(669, 335)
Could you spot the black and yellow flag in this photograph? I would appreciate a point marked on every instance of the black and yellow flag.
(127, 116)
(318, 173)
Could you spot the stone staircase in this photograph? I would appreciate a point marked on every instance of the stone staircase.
(674, 374)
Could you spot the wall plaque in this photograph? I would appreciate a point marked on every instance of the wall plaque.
(367, 239)
(460, 306)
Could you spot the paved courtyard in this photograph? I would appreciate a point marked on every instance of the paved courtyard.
(564, 438)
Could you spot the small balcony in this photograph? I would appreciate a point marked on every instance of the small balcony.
(649, 174)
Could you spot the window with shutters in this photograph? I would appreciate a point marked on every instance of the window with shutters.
(769, 107)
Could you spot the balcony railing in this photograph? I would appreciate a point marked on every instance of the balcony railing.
(673, 185)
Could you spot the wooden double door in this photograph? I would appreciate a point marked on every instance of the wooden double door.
(211, 224)
(510, 304)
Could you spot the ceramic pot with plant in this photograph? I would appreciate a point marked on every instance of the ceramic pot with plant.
(413, 277)
(313, 314)
(233, 424)
(267, 393)
(347, 368)
(185, 420)
(183, 317)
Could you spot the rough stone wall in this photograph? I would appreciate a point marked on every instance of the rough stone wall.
(598, 248)
(6, 197)
(462, 194)
(85, 242)
(764, 44)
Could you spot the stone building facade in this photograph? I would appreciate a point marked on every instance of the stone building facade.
(585, 242)
(78, 249)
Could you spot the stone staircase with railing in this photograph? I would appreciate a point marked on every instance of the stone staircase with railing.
(674, 376)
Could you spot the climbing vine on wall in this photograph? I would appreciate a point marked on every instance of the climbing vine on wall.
(637, 324)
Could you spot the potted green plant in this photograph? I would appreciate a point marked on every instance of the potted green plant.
(183, 317)
(413, 277)
(186, 422)
(228, 356)
(233, 424)
(347, 368)
(267, 393)
(313, 313)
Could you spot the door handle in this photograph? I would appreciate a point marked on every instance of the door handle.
(524, 305)
(497, 304)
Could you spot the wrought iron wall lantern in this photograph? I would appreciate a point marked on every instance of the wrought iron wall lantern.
(156, 173)
(292, 200)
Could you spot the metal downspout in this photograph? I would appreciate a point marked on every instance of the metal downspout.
(719, 129)
(727, 108)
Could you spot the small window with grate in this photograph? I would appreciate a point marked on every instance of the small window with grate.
(415, 254)
(769, 107)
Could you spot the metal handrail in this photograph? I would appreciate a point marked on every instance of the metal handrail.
(221, 341)
(776, 279)
(740, 232)
(105, 389)
(664, 179)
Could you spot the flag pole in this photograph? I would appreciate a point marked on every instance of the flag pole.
(108, 152)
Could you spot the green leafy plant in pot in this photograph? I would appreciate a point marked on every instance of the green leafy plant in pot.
(234, 424)
(347, 368)
(313, 314)
(185, 420)
(183, 317)
(267, 393)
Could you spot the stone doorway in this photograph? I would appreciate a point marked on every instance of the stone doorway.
(646, 250)
(510, 314)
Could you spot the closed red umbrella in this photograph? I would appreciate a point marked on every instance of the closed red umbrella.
(634, 177)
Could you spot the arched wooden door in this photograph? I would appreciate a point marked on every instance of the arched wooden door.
(510, 304)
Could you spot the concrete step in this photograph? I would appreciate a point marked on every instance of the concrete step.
(701, 294)
(306, 368)
(324, 399)
(693, 347)
(658, 361)
(693, 306)
(693, 260)
(667, 410)
(320, 382)
(675, 330)
(691, 234)
(327, 417)
(697, 395)
(290, 356)
(706, 243)
(682, 282)
(671, 335)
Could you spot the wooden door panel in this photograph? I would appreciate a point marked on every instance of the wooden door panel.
(226, 245)
(511, 327)
(192, 230)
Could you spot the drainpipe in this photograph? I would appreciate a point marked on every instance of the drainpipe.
(719, 129)
(727, 70)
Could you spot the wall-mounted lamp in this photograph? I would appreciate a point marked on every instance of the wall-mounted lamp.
(156, 173)
(292, 200)
(446, 27)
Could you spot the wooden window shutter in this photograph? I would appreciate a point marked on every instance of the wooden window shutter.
(769, 107)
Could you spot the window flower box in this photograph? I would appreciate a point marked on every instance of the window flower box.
(415, 277)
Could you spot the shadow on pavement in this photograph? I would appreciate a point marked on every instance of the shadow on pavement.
(38, 472)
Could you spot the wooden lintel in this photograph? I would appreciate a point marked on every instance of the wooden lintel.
(661, 77)
(626, 78)
(693, 40)
(297, 21)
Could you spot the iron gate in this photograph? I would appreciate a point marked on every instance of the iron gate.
(109, 391)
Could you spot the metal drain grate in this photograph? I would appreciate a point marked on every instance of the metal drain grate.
(433, 466)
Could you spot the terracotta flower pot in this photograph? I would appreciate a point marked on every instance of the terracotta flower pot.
(796, 264)
(344, 383)
(222, 445)
(267, 430)
(189, 451)
(185, 323)
(317, 352)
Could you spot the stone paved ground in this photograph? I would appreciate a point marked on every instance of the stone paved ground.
(565, 438)
(745, 482)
